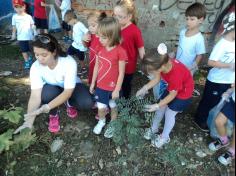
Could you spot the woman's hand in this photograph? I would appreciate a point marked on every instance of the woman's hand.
(87, 38)
(115, 94)
(29, 121)
(43, 109)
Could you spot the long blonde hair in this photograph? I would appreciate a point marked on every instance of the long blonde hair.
(129, 6)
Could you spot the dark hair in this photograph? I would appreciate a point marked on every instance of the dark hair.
(69, 15)
(196, 10)
(129, 6)
(52, 45)
(109, 27)
(153, 61)
(98, 15)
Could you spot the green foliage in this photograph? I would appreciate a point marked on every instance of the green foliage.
(13, 115)
(131, 120)
(6, 140)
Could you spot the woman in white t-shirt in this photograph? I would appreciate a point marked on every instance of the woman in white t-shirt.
(54, 81)
(222, 75)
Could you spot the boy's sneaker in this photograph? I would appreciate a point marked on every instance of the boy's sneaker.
(82, 71)
(159, 142)
(27, 64)
(109, 132)
(148, 135)
(226, 158)
(98, 128)
(71, 112)
(217, 145)
(54, 125)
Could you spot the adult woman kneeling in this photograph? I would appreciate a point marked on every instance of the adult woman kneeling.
(54, 81)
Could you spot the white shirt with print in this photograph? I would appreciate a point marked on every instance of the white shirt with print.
(79, 30)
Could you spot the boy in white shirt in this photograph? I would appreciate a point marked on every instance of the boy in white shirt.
(23, 27)
(191, 42)
(79, 31)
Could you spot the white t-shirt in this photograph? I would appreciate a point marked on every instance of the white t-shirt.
(23, 24)
(79, 30)
(224, 51)
(65, 6)
(189, 48)
(63, 75)
(233, 96)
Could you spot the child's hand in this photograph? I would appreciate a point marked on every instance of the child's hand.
(92, 89)
(115, 94)
(87, 38)
(152, 108)
(142, 92)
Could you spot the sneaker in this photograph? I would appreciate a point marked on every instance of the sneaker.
(53, 125)
(27, 64)
(82, 71)
(217, 145)
(159, 142)
(202, 127)
(72, 112)
(107, 112)
(109, 132)
(226, 158)
(98, 128)
(148, 135)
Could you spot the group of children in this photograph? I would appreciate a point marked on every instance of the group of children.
(115, 43)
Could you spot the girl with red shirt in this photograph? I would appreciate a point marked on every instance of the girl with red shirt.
(108, 73)
(176, 98)
(132, 40)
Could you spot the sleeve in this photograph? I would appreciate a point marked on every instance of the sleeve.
(77, 32)
(83, 28)
(176, 85)
(218, 52)
(200, 47)
(70, 74)
(139, 39)
(13, 21)
(122, 54)
(36, 79)
(63, 5)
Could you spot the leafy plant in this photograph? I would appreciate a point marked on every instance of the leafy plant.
(131, 121)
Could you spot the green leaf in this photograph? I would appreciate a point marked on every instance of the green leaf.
(13, 116)
(6, 140)
(24, 140)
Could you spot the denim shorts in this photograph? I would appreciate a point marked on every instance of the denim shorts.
(76, 52)
(229, 110)
(24, 46)
(41, 23)
(103, 96)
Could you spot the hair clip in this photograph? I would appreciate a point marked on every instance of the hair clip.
(162, 49)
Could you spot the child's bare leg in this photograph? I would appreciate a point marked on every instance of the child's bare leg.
(221, 121)
(102, 113)
(82, 64)
(25, 56)
(232, 146)
(114, 110)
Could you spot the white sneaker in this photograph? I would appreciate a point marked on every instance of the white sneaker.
(159, 142)
(109, 132)
(98, 128)
(226, 158)
(148, 135)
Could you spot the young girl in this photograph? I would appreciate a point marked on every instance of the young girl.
(227, 113)
(54, 82)
(177, 96)
(222, 75)
(108, 73)
(132, 40)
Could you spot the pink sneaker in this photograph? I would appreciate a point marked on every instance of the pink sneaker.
(54, 125)
(72, 112)
(107, 112)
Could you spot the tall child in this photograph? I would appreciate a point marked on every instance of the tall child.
(191, 42)
(108, 73)
(132, 40)
(79, 31)
(177, 96)
(222, 75)
(23, 26)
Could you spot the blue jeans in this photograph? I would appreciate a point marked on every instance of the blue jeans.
(159, 89)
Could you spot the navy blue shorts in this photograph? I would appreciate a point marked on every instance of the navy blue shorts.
(41, 23)
(24, 46)
(177, 104)
(103, 96)
(229, 110)
(65, 26)
(76, 52)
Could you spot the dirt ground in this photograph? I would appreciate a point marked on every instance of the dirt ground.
(85, 154)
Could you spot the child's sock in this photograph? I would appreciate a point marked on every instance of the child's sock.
(232, 151)
(224, 139)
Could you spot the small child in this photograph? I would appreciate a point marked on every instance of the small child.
(227, 113)
(191, 42)
(132, 40)
(222, 75)
(65, 6)
(108, 73)
(176, 98)
(40, 15)
(23, 26)
(79, 31)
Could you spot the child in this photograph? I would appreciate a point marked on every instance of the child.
(108, 73)
(40, 15)
(79, 31)
(222, 75)
(65, 6)
(92, 40)
(23, 26)
(227, 113)
(191, 42)
(132, 40)
(177, 96)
